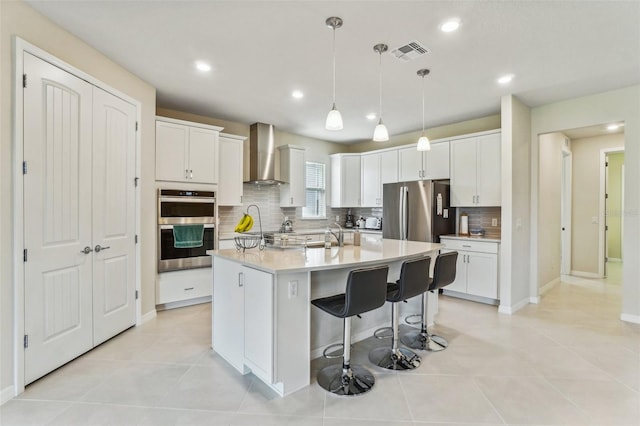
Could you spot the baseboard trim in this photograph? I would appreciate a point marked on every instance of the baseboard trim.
(149, 316)
(548, 286)
(614, 259)
(510, 310)
(183, 303)
(583, 274)
(635, 319)
(6, 394)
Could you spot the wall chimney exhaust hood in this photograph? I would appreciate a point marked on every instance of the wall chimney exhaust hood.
(262, 154)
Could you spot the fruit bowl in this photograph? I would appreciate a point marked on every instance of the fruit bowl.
(244, 242)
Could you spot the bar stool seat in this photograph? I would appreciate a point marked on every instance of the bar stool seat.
(444, 273)
(365, 291)
(414, 275)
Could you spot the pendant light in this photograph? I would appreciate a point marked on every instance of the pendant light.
(423, 142)
(380, 134)
(334, 118)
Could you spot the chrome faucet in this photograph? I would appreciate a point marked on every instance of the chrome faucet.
(340, 236)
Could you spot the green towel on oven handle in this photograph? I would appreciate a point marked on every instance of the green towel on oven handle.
(187, 236)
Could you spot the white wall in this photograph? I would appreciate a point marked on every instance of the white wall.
(613, 106)
(550, 207)
(614, 206)
(18, 19)
(515, 241)
(585, 234)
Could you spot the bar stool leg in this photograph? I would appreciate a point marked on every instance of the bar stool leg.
(395, 358)
(422, 339)
(344, 379)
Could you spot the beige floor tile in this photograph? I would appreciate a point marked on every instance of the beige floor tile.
(30, 413)
(352, 422)
(269, 420)
(126, 346)
(618, 362)
(179, 417)
(307, 402)
(81, 414)
(175, 349)
(530, 401)
(447, 399)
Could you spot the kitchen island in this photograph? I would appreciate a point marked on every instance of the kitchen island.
(263, 320)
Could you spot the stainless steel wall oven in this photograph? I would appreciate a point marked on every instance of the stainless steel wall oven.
(179, 207)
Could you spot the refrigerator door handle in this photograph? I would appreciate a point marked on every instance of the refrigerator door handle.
(404, 234)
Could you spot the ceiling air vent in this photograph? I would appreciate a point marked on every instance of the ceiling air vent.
(410, 51)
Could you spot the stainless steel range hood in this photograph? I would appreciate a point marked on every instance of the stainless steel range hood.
(262, 154)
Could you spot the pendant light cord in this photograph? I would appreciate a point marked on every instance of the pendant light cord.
(423, 105)
(380, 85)
(334, 66)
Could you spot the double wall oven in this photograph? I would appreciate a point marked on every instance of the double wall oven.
(179, 207)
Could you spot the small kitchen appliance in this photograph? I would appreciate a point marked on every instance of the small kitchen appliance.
(373, 223)
(349, 222)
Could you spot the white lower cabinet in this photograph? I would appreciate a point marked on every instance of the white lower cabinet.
(476, 269)
(177, 286)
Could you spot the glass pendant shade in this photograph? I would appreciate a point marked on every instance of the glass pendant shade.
(424, 144)
(380, 134)
(334, 119)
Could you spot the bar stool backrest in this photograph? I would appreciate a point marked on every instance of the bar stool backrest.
(366, 290)
(414, 278)
(444, 272)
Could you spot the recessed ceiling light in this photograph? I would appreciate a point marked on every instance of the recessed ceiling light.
(297, 94)
(613, 127)
(371, 116)
(450, 25)
(203, 66)
(506, 79)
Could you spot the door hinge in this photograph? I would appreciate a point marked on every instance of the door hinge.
(606, 228)
(135, 181)
(26, 341)
(24, 81)
(136, 294)
(136, 238)
(24, 167)
(24, 255)
(136, 126)
(606, 196)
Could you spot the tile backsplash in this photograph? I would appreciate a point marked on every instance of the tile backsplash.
(481, 217)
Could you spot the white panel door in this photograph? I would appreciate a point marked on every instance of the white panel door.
(436, 161)
(351, 181)
(482, 275)
(410, 164)
(258, 323)
(202, 155)
(489, 170)
(388, 167)
(57, 209)
(171, 152)
(297, 177)
(463, 172)
(460, 283)
(114, 162)
(230, 171)
(371, 180)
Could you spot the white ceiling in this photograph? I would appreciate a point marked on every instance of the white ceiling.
(262, 50)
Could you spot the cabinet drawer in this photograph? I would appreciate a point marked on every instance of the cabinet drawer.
(470, 245)
(184, 285)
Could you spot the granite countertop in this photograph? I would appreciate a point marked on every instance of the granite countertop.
(466, 237)
(372, 251)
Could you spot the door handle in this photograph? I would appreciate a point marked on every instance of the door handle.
(241, 279)
(86, 250)
(191, 174)
(99, 248)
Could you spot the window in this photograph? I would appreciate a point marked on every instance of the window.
(315, 204)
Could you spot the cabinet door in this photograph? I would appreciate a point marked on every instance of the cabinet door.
(410, 164)
(463, 172)
(436, 161)
(351, 181)
(482, 274)
(371, 180)
(292, 194)
(230, 172)
(489, 174)
(228, 311)
(202, 155)
(460, 283)
(171, 152)
(258, 323)
(388, 167)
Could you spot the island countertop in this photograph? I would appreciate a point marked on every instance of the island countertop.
(372, 251)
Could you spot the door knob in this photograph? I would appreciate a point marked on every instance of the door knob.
(99, 248)
(86, 250)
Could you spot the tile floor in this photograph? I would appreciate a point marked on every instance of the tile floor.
(567, 361)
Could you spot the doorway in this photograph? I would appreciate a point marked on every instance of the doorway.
(565, 210)
(612, 206)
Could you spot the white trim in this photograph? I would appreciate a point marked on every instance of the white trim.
(510, 310)
(635, 319)
(614, 260)
(6, 394)
(20, 47)
(191, 124)
(583, 274)
(602, 246)
(534, 300)
(548, 286)
(148, 316)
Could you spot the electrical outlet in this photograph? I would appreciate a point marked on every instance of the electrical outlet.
(337, 218)
(494, 222)
(293, 289)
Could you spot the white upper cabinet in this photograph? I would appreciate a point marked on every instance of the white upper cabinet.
(378, 168)
(475, 171)
(416, 165)
(292, 171)
(230, 149)
(345, 180)
(186, 152)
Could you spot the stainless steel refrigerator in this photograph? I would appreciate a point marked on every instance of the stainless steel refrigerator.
(417, 211)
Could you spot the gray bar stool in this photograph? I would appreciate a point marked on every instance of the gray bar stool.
(365, 291)
(414, 280)
(444, 273)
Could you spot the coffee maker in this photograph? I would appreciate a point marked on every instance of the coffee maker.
(349, 223)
